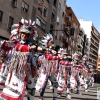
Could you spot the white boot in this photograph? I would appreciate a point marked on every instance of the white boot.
(51, 87)
(68, 96)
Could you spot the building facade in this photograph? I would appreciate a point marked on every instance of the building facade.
(80, 43)
(50, 18)
(48, 15)
(72, 29)
(93, 41)
(98, 63)
(85, 45)
(11, 11)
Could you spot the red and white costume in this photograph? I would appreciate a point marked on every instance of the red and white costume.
(48, 67)
(19, 71)
(62, 75)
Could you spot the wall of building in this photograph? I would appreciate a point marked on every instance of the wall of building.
(15, 11)
(93, 41)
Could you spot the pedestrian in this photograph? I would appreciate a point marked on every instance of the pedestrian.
(85, 66)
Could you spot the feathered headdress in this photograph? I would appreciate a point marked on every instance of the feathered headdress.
(25, 26)
(46, 40)
(75, 56)
(62, 51)
(85, 58)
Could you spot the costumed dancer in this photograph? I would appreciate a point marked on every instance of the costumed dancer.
(4, 64)
(20, 67)
(63, 72)
(91, 75)
(47, 70)
(6, 53)
(84, 72)
(52, 49)
(75, 73)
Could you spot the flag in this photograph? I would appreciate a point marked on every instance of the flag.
(40, 5)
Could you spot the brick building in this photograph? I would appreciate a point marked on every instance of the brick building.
(71, 39)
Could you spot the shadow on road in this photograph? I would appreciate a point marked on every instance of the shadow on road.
(89, 94)
(82, 98)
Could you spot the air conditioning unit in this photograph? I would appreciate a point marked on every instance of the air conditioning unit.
(57, 20)
(14, 4)
(68, 18)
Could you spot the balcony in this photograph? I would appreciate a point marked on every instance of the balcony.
(66, 29)
(94, 46)
(68, 21)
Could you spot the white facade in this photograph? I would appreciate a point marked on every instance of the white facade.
(93, 41)
(86, 25)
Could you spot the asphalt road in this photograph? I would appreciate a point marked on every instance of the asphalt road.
(90, 95)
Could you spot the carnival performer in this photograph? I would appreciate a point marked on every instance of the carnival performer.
(6, 53)
(85, 71)
(75, 73)
(47, 69)
(53, 51)
(4, 64)
(20, 68)
(91, 75)
(63, 73)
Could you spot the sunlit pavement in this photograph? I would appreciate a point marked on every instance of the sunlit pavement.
(90, 95)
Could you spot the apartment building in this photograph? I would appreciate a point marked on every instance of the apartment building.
(85, 45)
(51, 19)
(11, 11)
(71, 27)
(98, 63)
(93, 41)
(59, 23)
(80, 43)
(48, 15)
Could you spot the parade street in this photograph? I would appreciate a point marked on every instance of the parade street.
(90, 95)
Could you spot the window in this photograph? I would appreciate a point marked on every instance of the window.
(14, 3)
(25, 6)
(40, 6)
(43, 26)
(38, 21)
(41, 23)
(59, 6)
(35, 1)
(53, 16)
(63, 14)
(54, 3)
(10, 23)
(1, 14)
(57, 20)
(45, 12)
(66, 39)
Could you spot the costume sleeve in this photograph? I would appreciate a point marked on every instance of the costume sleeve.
(6, 46)
(65, 63)
(50, 57)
